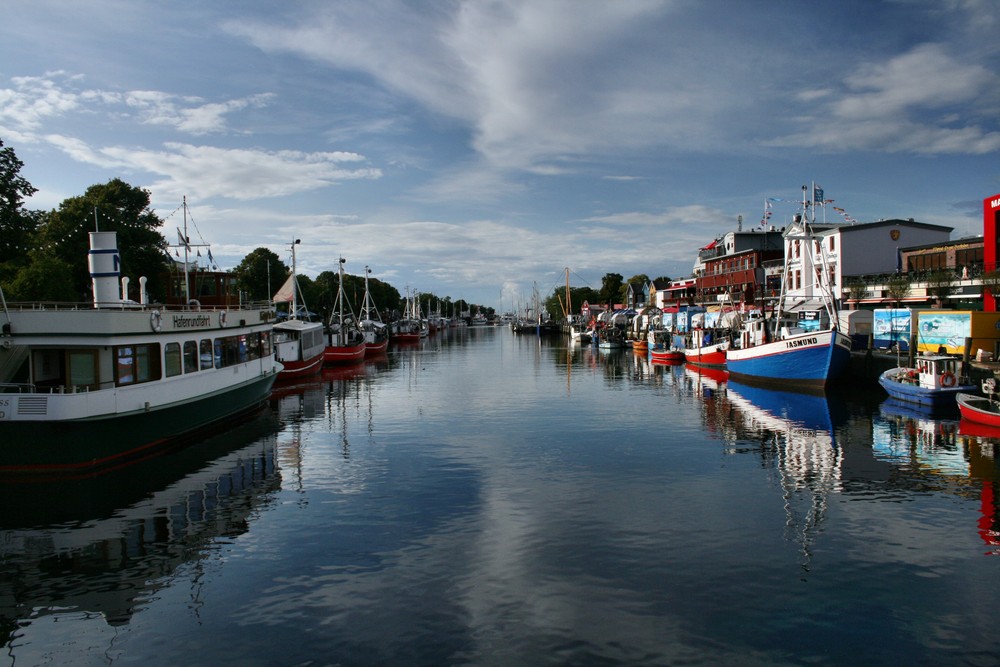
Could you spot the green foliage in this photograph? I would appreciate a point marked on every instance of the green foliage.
(260, 274)
(897, 288)
(553, 303)
(940, 283)
(44, 278)
(17, 226)
(611, 288)
(115, 206)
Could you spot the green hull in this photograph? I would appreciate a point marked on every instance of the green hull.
(86, 447)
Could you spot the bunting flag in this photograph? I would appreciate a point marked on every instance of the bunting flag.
(181, 241)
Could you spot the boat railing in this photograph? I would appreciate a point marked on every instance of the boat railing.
(131, 306)
(17, 388)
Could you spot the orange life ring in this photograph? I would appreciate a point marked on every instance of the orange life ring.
(947, 379)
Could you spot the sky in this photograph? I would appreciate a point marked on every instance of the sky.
(479, 149)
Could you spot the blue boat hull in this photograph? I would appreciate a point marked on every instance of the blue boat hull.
(813, 359)
(931, 398)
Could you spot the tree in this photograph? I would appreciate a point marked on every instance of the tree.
(261, 274)
(940, 283)
(45, 278)
(857, 289)
(114, 206)
(17, 226)
(611, 288)
(897, 287)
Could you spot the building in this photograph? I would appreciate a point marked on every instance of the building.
(733, 265)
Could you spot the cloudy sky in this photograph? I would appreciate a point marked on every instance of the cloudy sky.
(477, 148)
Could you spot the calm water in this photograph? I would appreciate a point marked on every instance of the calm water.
(490, 499)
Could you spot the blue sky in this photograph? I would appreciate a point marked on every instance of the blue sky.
(473, 149)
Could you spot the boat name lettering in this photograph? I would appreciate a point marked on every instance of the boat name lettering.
(802, 342)
(4, 405)
(183, 322)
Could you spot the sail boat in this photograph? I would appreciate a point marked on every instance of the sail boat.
(298, 344)
(375, 332)
(345, 344)
(798, 343)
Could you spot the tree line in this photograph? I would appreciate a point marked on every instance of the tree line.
(614, 289)
(43, 254)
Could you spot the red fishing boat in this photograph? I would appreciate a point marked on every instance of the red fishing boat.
(980, 409)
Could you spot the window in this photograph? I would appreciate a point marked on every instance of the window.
(206, 354)
(190, 356)
(82, 368)
(172, 359)
(832, 244)
(136, 363)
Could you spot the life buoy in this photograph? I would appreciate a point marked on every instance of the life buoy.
(222, 319)
(947, 379)
(155, 320)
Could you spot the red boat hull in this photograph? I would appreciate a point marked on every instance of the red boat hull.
(666, 355)
(710, 355)
(979, 410)
(299, 369)
(373, 349)
(344, 355)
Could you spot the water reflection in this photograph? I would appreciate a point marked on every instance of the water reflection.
(113, 541)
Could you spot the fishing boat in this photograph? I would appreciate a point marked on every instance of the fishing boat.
(375, 331)
(666, 355)
(798, 342)
(933, 381)
(90, 387)
(345, 344)
(298, 343)
(707, 347)
(408, 329)
(983, 410)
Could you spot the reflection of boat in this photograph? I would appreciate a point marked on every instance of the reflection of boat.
(91, 386)
(135, 527)
(933, 381)
(816, 411)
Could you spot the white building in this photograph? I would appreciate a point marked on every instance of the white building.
(836, 251)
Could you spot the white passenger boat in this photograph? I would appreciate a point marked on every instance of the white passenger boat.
(93, 385)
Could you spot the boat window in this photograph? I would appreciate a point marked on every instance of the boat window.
(82, 368)
(206, 354)
(190, 356)
(137, 363)
(172, 359)
(227, 351)
(265, 344)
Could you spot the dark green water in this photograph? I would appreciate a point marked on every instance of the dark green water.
(490, 499)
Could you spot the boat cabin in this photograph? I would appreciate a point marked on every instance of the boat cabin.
(934, 371)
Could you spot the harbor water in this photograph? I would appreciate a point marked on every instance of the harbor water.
(486, 498)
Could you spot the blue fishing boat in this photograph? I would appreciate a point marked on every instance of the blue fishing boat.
(796, 340)
(933, 381)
